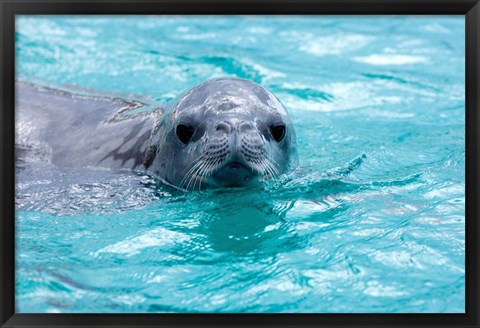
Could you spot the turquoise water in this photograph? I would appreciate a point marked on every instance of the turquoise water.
(372, 221)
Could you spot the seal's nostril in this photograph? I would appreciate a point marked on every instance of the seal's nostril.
(244, 127)
(223, 126)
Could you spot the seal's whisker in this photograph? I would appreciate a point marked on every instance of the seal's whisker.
(204, 171)
(197, 175)
(260, 165)
(189, 173)
(197, 163)
(266, 169)
(273, 169)
(194, 174)
(207, 170)
(211, 168)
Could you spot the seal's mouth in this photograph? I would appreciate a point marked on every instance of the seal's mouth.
(234, 174)
(236, 166)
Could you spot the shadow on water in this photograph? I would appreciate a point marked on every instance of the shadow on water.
(255, 221)
(239, 222)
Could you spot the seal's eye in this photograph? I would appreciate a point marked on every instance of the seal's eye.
(278, 132)
(184, 133)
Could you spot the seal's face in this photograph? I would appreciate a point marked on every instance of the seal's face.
(225, 132)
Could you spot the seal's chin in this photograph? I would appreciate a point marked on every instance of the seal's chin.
(234, 174)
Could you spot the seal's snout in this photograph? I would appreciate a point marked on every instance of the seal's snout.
(243, 149)
(243, 139)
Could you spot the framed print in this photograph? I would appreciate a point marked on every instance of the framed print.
(227, 163)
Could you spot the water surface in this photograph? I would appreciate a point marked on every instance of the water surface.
(372, 221)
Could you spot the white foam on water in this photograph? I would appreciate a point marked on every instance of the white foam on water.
(334, 44)
(391, 59)
(158, 237)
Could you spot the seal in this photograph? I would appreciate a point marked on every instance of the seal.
(222, 133)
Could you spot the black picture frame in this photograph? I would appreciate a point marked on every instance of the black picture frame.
(469, 8)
